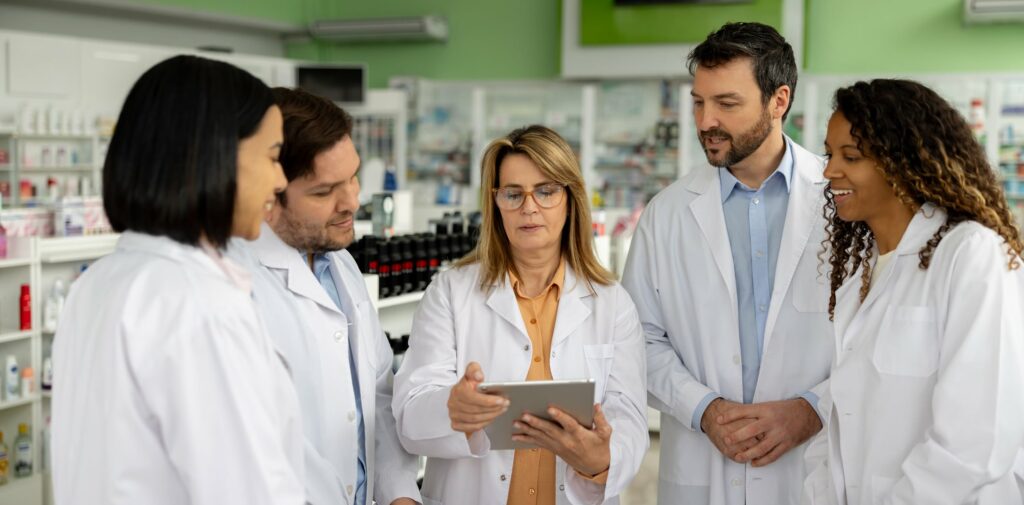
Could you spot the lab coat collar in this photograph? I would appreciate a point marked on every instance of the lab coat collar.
(274, 253)
(925, 223)
(176, 251)
(571, 309)
(922, 228)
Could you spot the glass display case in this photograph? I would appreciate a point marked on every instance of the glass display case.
(636, 140)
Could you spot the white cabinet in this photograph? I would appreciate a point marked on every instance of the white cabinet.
(37, 262)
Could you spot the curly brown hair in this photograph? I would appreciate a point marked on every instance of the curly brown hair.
(928, 154)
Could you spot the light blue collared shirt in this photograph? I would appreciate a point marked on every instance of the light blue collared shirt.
(322, 270)
(754, 220)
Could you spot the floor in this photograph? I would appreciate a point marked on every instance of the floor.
(644, 488)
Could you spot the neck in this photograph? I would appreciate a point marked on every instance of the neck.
(754, 169)
(890, 226)
(536, 269)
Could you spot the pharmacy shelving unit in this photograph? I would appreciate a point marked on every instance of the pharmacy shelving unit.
(37, 157)
(37, 262)
(18, 268)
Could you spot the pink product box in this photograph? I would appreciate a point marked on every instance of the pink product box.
(28, 222)
(95, 218)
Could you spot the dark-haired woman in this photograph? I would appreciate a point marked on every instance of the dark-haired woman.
(927, 386)
(167, 390)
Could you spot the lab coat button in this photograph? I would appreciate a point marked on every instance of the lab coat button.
(736, 358)
(737, 482)
(526, 347)
(503, 477)
(352, 415)
(757, 201)
(338, 336)
(561, 487)
(348, 489)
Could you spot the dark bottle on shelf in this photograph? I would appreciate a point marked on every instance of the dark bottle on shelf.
(422, 274)
(397, 272)
(444, 253)
(408, 264)
(433, 256)
(371, 254)
(384, 269)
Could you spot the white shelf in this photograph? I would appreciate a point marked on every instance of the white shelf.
(17, 403)
(15, 262)
(48, 136)
(63, 249)
(399, 300)
(24, 490)
(15, 336)
(81, 167)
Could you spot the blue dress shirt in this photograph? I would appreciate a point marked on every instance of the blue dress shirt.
(322, 270)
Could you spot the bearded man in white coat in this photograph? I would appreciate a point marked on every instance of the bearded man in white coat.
(317, 310)
(723, 269)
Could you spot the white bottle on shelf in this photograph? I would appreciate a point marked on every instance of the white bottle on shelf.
(11, 385)
(54, 306)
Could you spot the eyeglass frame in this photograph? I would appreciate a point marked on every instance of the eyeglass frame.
(565, 189)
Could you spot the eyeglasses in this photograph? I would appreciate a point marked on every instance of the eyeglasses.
(512, 197)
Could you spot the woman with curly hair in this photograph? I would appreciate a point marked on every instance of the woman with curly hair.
(927, 385)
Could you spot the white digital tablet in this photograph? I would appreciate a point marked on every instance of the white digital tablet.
(574, 397)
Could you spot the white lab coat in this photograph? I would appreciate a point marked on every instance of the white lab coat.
(596, 336)
(681, 277)
(167, 390)
(314, 337)
(928, 383)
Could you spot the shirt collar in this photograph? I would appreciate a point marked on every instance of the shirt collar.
(556, 281)
(729, 181)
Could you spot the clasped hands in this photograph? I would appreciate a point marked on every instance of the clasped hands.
(759, 433)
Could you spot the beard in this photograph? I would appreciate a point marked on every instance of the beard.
(740, 147)
(312, 237)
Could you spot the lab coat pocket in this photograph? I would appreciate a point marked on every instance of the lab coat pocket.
(907, 342)
(599, 366)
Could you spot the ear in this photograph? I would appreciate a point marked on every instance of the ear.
(779, 102)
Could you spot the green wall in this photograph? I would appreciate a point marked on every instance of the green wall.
(521, 39)
(517, 39)
(906, 36)
(601, 22)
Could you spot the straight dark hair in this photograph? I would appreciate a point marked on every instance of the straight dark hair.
(172, 165)
(312, 125)
(772, 57)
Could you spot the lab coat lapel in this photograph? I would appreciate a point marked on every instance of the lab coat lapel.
(806, 201)
(273, 253)
(707, 210)
(925, 223)
(502, 301)
(571, 309)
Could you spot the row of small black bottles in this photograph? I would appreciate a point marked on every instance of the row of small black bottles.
(407, 263)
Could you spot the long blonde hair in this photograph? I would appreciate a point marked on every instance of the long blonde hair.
(556, 160)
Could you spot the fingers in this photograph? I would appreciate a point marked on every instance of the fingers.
(567, 422)
(761, 449)
(772, 455)
(746, 432)
(601, 426)
(474, 372)
(736, 412)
